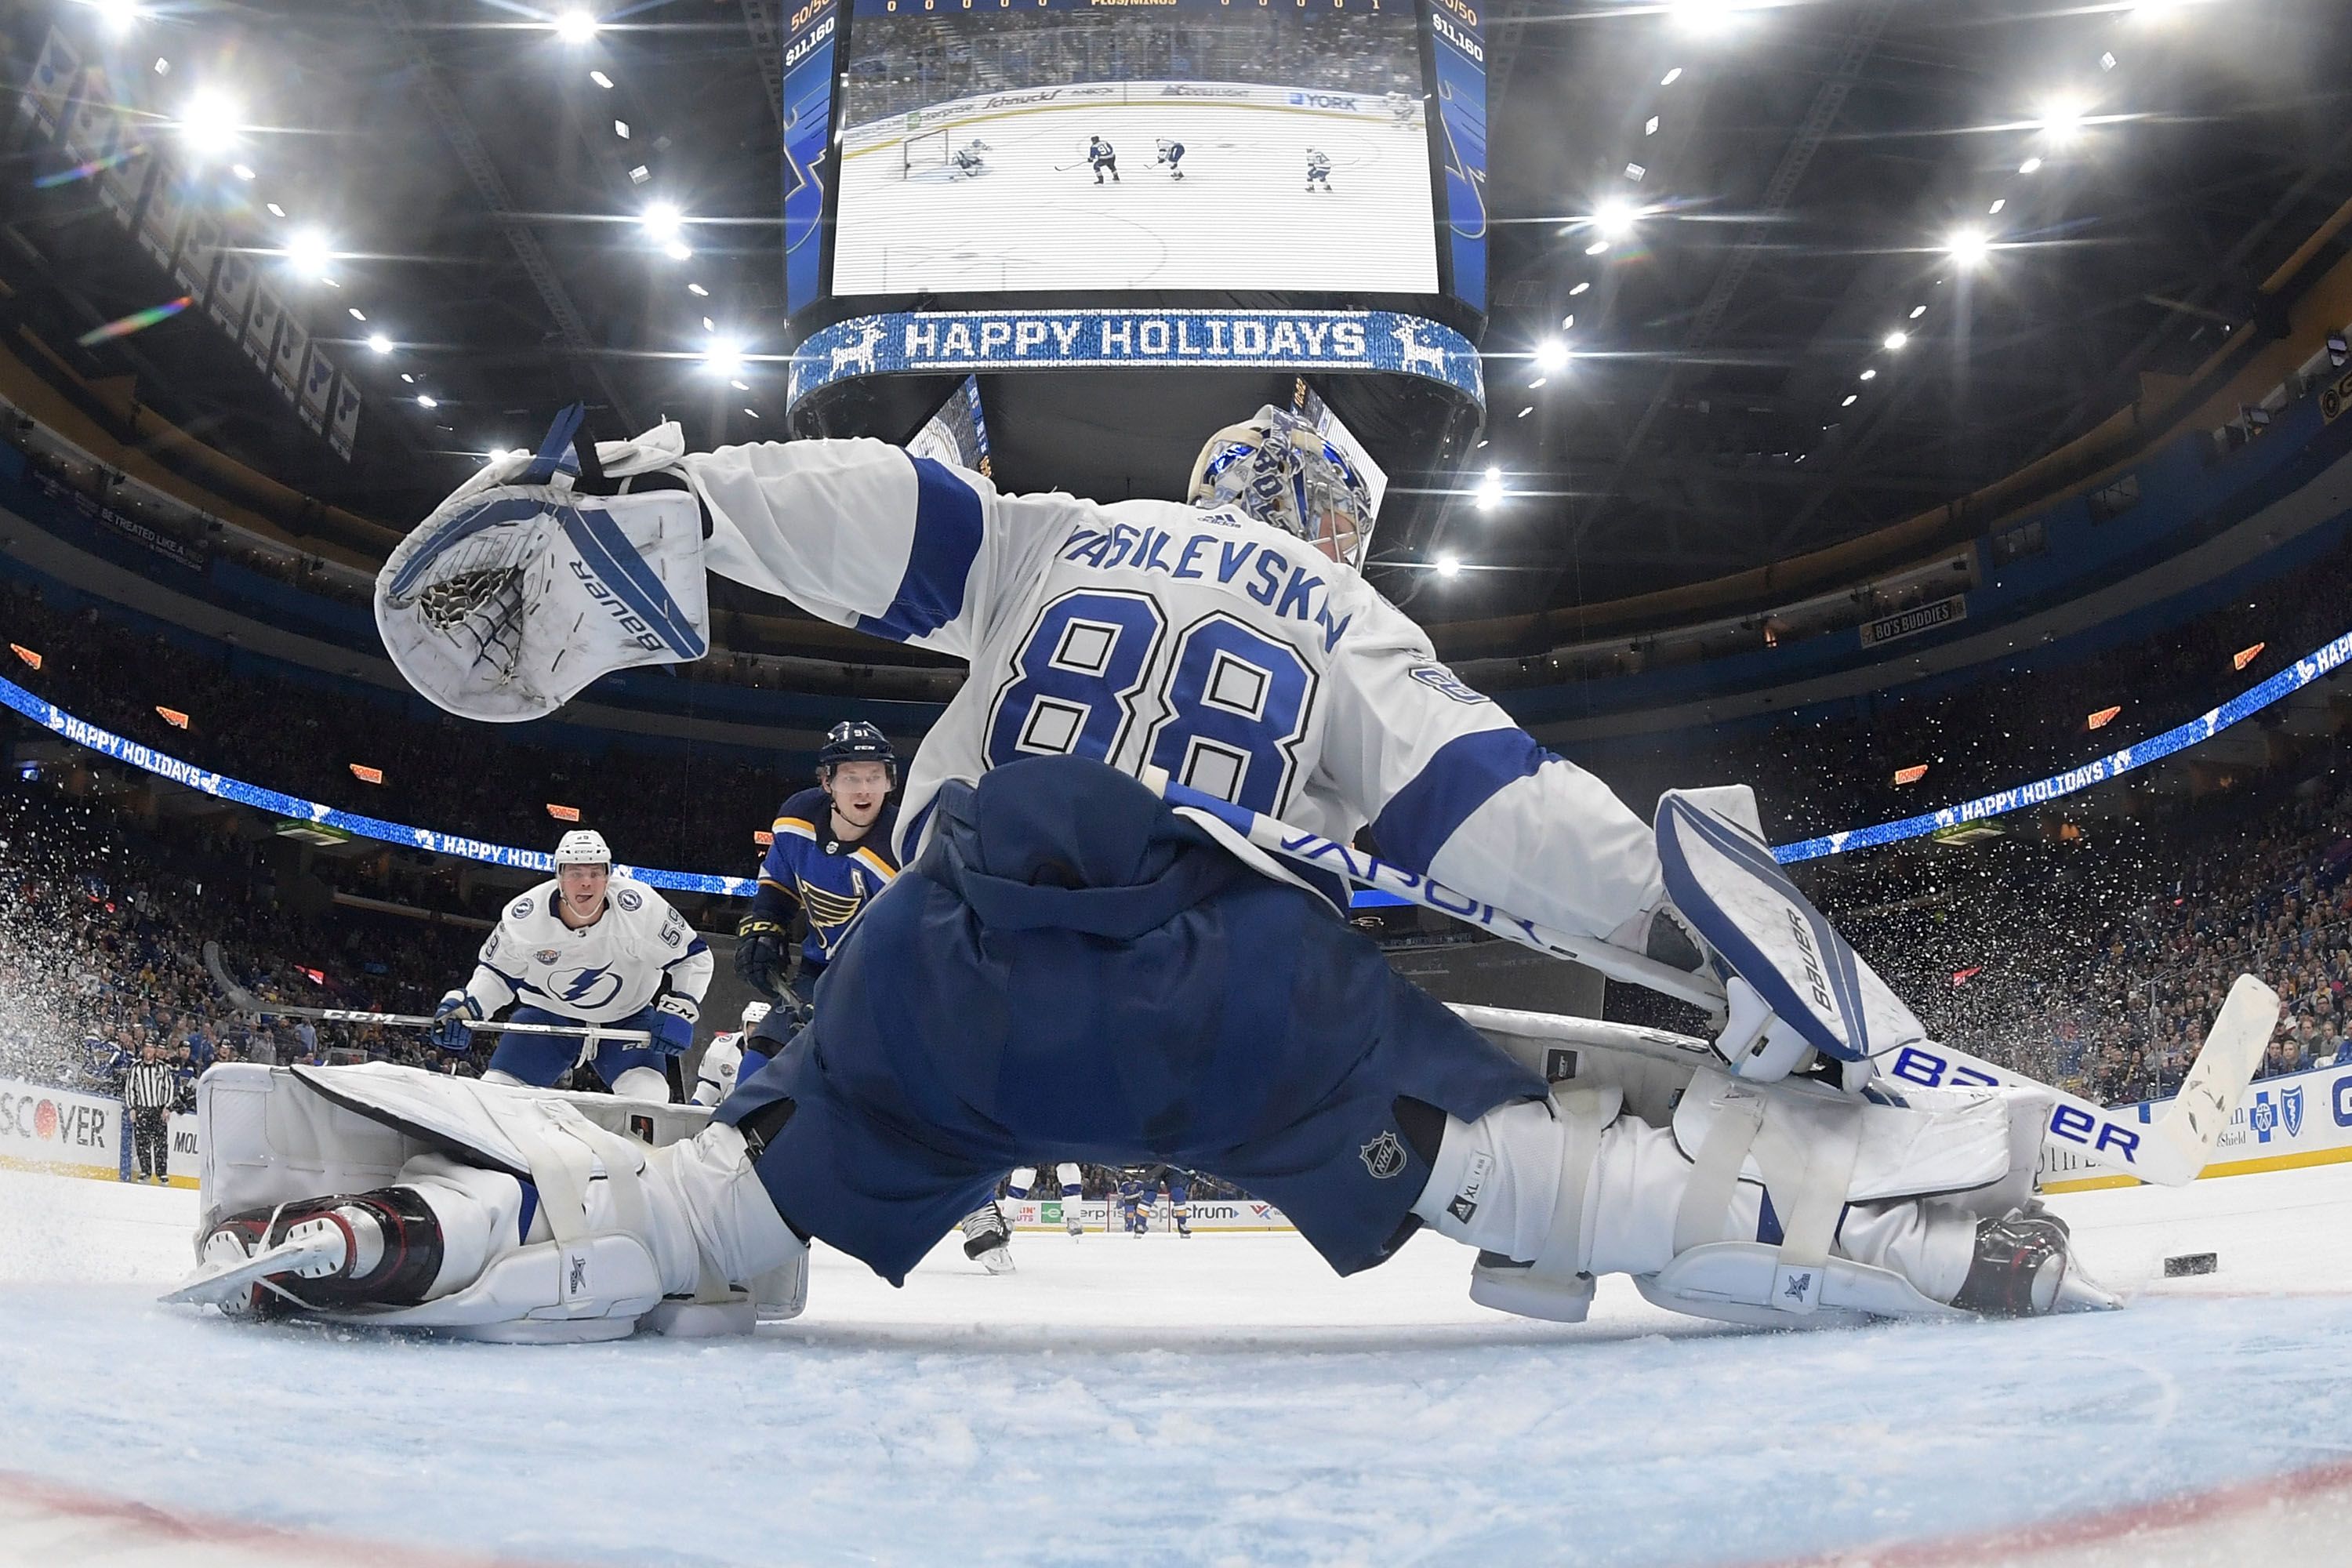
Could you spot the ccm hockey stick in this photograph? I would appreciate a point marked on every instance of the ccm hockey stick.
(245, 1001)
(2169, 1151)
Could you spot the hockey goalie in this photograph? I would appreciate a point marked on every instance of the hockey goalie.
(1070, 962)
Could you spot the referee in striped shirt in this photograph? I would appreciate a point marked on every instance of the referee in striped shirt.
(149, 1087)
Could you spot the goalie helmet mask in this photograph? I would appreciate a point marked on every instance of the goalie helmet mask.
(1280, 469)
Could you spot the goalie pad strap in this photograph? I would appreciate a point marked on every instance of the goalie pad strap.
(1584, 1114)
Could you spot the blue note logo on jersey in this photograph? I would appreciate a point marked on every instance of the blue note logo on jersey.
(585, 987)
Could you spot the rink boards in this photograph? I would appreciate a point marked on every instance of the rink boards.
(2300, 1118)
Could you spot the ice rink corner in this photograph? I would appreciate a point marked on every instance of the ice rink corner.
(1211, 1401)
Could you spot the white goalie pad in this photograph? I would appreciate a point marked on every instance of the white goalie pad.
(269, 1136)
(509, 599)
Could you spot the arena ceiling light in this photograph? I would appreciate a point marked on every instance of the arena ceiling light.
(576, 26)
(427, 401)
(118, 15)
(209, 123)
(1449, 566)
(1614, 219)
(1551, 356)
(379, 342)
(724, 356)
(1489, 494)
(2060, 120)
(1895, 342)
(1968, 248)
(310, 254)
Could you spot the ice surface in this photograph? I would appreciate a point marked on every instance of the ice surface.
(1220, 1400)
(1242, 217)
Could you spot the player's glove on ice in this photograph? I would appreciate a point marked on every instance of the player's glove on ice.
(449, 1020)
(761, 955)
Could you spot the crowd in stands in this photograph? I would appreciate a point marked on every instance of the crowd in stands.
(693, 812)
(905, 63)
(102, 927)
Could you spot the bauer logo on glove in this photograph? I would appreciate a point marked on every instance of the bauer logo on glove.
(517, 592)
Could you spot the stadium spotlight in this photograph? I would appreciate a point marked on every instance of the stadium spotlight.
(310, 253)
(663, 220)
(1968, 247)
(1489, 494)
(425, 401)
(1707, 17)
(2029, 166)
(678, 251)
(1551, 356)
(724, 356)
(1615, 218)
(575, 27)
(209, 123)
(1449, 565)
(379, 342)
(2062, 121)
(117, 15)
(1897, 341)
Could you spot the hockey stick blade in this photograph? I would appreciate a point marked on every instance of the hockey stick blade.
(2226, 1063)
(2085, 1129)
(238, 996)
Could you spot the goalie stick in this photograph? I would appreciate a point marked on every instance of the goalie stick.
(245, 1001)
(2169, 1151)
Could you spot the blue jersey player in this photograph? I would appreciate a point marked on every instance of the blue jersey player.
(829, 855)
(1102, 158)
(1139, 1191)
(1074, 962)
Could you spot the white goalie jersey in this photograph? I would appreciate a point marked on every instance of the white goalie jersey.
(599, 973)
(1235, 656)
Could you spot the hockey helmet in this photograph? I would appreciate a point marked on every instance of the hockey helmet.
(752, 1013)
(583, 846)
(854, 741)
(1278, 468)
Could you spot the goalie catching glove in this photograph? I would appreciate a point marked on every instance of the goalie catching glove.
(518, 591)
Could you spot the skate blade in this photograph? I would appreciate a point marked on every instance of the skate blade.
(225, 1284)
(997, 1260)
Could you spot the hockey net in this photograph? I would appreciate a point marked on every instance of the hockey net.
(923, 153)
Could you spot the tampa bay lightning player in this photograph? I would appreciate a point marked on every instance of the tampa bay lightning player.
(1068, 961)
(586, 946)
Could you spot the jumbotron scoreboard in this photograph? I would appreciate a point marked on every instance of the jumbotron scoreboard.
(1232, 195)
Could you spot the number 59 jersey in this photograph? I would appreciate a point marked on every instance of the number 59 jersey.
(1235, 656)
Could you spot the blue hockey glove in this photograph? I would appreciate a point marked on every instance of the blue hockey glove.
(670, 1021)
(449, 1020)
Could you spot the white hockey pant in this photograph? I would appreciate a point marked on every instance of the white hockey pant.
(1019, 1186)
(1572, 1189)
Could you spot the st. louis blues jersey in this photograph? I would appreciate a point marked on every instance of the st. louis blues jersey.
(829, 879)
(600, 973)
(1237, 657)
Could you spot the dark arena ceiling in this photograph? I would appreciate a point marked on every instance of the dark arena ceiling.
(2044, 199)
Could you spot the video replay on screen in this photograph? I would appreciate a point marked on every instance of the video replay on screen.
(996, 145)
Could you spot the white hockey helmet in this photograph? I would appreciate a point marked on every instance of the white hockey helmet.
(752, 1013)
(583, 846)
(1278, 468)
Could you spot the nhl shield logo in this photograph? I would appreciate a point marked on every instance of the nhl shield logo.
(1383, 1156)
(2291, 1109)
